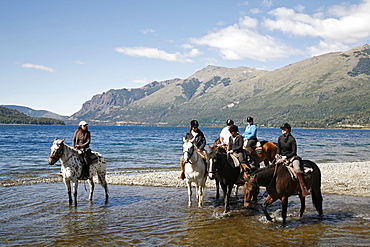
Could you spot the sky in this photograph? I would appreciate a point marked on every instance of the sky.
(56, 55)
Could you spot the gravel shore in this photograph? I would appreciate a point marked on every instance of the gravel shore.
(337, 178)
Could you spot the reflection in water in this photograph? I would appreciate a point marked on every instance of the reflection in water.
(160, 216)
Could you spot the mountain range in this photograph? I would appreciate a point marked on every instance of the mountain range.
(330, 90)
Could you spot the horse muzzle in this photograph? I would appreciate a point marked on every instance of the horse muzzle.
(51, 161)
(211, 175)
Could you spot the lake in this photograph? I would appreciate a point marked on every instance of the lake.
(37, 213)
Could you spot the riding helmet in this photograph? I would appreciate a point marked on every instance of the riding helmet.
(229, 122)
(233, 128)
(286, 126)
(249, 119)
(194, 123)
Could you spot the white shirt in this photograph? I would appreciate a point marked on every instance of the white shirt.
(225, 134)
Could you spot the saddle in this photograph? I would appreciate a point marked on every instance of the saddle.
(307, 169)
(257, 149)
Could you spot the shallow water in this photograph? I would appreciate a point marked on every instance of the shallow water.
(34, 213)
(159, 216)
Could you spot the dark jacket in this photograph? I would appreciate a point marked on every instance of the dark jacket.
(81, 138)
(199, 141)
(287, 146)
(237, 145)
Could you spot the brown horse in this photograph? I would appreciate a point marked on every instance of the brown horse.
(280, 185)
(266, 155)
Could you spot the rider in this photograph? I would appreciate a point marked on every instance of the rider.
(225, 133)
(81, 141)
(236, 145)
(199, 142)
(287, 152)
(250, 133)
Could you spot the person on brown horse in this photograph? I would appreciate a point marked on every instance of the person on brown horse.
(287, 152)
(250, 134)
(236, 147)
(81, 140)
(199, 141)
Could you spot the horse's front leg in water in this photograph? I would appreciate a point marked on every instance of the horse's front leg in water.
(91, 183)
(189, 193)
(267, 202)
(75, 192)
(67, 183)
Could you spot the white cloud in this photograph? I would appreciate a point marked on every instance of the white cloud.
(78, 62)
(39, 67)
(141, 80)
(339, 27)
(140, 51)
(147, 31)
(242, 40)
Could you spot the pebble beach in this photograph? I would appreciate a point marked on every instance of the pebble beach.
(350, 178)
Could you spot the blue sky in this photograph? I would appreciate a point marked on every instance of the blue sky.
(55, 55)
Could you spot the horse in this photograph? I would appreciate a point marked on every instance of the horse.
(71, 168)
(224, 172)
(280, 185)
(195, 171)
(267, 153)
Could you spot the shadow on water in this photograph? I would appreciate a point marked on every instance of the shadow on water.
(125, 200)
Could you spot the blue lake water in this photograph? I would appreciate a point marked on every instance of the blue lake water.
(24, 149)
(146, 216)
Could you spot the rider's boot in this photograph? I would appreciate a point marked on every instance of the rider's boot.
(302, 185)
(182, 165)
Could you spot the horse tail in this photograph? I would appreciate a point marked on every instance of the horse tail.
(316, 187)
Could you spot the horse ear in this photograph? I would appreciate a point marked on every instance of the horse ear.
(210, 148)
(56, 138)
(62, 141)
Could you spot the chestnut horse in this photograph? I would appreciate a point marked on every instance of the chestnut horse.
(280, 185)
(266, 155)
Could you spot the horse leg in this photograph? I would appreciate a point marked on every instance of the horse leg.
(217, 189)
(189, 193)
(68, 188)
(103, 183)
(227, 197)
(284, 202)
(75, 192)
(92, 185)
(267, 202)
(303, 205)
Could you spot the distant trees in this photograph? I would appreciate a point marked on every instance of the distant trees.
(10, 116)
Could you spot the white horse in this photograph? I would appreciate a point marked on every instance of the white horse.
(72, 167)
(195, 171)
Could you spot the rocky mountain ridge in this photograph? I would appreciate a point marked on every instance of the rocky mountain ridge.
(323, 91)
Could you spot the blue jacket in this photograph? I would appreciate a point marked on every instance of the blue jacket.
(250, 132)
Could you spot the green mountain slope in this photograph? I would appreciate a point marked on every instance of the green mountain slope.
(11, 116)
(324, 91)
(35, 113)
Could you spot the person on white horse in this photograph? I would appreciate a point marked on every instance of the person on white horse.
(81, 141)
(225, 134)
(199, 142)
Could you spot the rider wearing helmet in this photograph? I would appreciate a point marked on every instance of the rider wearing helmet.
(225, 133)
(250, 133)
(236, 146)
(287, 152)
(81, 141)
(199, 141)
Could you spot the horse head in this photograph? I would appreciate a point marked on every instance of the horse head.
(214, 160)
(188, 149)
(251, 189)
(56, 151)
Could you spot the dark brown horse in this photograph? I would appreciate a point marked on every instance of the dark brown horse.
(280, 185)
(224, 172)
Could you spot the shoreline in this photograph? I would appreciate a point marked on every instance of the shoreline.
(349, 178)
